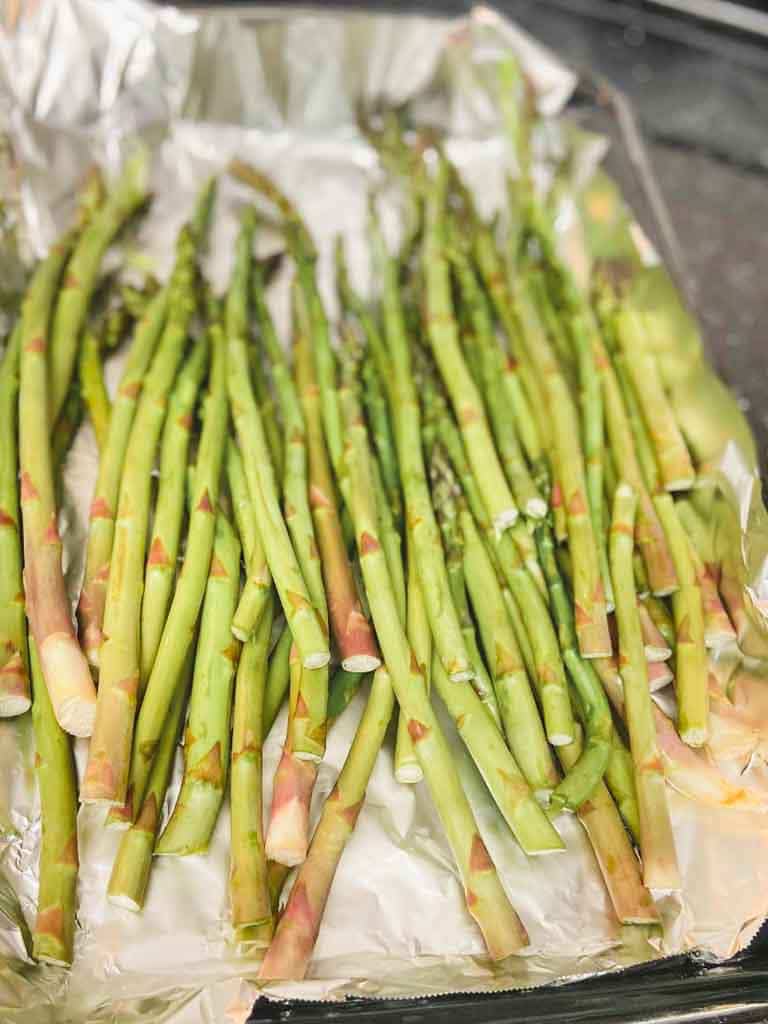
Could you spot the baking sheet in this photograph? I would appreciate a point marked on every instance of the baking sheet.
(81, 81)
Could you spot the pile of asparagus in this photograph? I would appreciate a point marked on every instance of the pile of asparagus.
(473, 484)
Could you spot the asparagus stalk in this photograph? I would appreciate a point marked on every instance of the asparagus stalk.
(53, 937)
(523, 386)
(654, 644)
(444, 500)
(519, 713)
(66, 428)
(120, 681)
(92, 386)
(382, 433)
(278, 678)
(190, 588)
(588, 591)
(343, 687)
(14, 681)
(207, 738)
(443, 336)
(491, 381)
(351, 630)
(288, 832)
(661, 618)
(593, 433)
(305, 626)
(307, 730)
(305, 256)
(657, 843)
(651, 539)
(646, 456)
(690, 653)
(407, 767)
(258, 580)
(248, 888)
(163, 552)
(291, 949)
(63, 665)
(632, 902)
(267, 411)
(129, 193)
(718, 628)
(287, 836)
(587, 771)
(133, 864)
(406, 414)
(101, 526)
(512, 794)
(674, 461)
(486, 899)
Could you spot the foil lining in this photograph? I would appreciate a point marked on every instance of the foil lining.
(81, 81)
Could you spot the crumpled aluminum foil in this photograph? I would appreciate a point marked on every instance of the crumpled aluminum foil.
(80, 80)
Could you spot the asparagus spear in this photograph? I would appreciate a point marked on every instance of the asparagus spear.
(674, 461)
(296, 932)
(66, 429)
(632, 902)
(14, 681)
(443, 620)
(92, 386)
(127, 196)
(690, 653)
(491, 381)
(654, 643)
(589, 594)
(519, 714)
(661, 618)
(292, 589)
(657, 843)
(351, 630)
(63, 665)
(277, 678)
(248, 889)
(585, 774)
(132, 866)
(486, 900)
(267, 410)
(101, 526)
(207, 738)
(444, 500)
(288, 832)
(120, 681)
(443, 336)
(382, 434)
(498, 767)
(524, 390)
(287, 835)
(53, 938)
(258, 580)
(163, 549)
(407, 767)
(190, 588)
(650, 534)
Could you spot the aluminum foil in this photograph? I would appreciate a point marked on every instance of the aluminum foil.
(81, 80)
